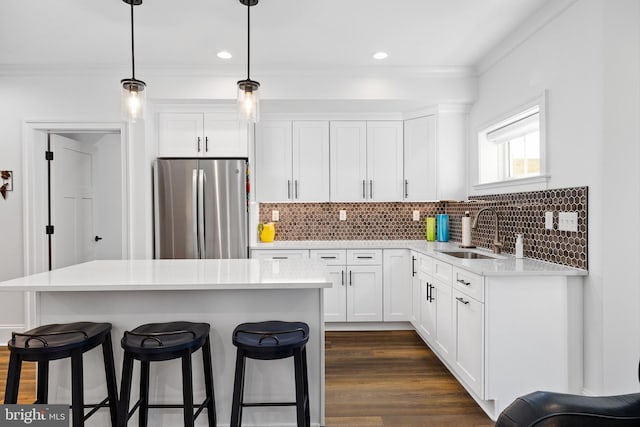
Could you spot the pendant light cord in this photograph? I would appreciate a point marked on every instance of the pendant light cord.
(248, 38)
(133, 58)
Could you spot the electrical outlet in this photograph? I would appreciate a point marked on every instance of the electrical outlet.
(548, 220)
(568, 221)
(343, 215)
(416, 215)
(275, 215)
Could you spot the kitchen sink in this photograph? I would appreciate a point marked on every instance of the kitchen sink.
(467, 255)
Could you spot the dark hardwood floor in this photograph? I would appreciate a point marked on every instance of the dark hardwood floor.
(373, 379)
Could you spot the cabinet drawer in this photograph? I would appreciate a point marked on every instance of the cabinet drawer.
(280, 254)
(364, 256)
(469, 283)
(442, 271)
(425, 264)
(329, 256)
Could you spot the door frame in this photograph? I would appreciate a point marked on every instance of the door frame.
(34, 177)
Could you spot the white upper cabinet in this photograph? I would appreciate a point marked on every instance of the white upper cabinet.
(292, 161)
(201, 135)
(348, 161)
(384, 161)
(366, 161)
(273, 149)
(420, 159)
(310, 161)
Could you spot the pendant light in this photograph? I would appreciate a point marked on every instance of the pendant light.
(248, 95)
(133, 90)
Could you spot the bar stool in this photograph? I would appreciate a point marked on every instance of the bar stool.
(59, 341)
(272, 340)
(155, 342)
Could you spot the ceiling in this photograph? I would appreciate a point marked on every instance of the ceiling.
(286, 34)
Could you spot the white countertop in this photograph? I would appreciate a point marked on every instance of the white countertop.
(139, 275)
(503, 265)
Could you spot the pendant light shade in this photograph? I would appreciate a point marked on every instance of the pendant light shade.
(248, 93)
(134, 92)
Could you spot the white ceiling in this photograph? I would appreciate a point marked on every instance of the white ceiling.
(286, 34)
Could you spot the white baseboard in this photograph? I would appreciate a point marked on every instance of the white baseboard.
(5, 332)
(368, 326)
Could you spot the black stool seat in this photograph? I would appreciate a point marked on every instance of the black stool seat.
(166, 341)
(59, 341)
(272, 340)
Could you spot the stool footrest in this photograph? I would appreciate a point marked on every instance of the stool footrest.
(269, 404)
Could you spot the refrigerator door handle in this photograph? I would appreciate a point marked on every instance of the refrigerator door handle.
(194, 209)
(201, 214)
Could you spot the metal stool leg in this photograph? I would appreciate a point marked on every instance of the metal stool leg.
(125, 390)
(300, 396)
(208, 380)
(13, 379)
(143, 412)
(77, 389)
(110, 374)
(238, 390)
(305, 373)
(42, 383)
(187, 389)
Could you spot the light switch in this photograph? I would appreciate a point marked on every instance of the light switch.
(275, 215)
(416, 215)
(568, 221)
(548, 220)
(343, 215)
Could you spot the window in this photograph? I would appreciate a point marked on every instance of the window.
(512, 149)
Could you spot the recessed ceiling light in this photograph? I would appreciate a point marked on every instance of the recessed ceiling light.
(380, 55)
(224, 55)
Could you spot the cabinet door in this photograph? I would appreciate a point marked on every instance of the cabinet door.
(469, 336)
(225, 135)
(348, 161)
(420, 159)
(311, 161)
(384, 161)
(443, 300)
(180, 134)
(335, 298)
(277, 254)
(364, 293)
(415, 301)
(397, 269)
(427, 309)
(273, 161)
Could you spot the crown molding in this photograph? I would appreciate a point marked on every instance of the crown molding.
(549, 12)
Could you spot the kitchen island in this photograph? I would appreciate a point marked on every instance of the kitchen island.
(223, 293)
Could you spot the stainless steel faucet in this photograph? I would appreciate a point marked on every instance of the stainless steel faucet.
(497, 246)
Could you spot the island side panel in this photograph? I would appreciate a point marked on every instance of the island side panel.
(224, 310)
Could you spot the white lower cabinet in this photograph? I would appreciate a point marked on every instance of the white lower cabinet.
(442, 297)
(356, 295)
(397, 267)
(427, 325)
(468, 314)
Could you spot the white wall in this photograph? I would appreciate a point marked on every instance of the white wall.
(588, 60)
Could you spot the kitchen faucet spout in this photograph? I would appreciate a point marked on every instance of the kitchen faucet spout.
(497, 245)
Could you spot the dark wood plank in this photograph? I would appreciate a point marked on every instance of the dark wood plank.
(27, 393)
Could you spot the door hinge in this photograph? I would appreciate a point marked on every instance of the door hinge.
(48, 155)
(49, 229)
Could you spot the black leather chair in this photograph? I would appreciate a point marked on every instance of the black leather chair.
(547, 409)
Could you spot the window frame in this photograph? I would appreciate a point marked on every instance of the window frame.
(539, 181)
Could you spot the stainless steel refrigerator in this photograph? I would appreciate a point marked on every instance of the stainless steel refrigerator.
(200, 208)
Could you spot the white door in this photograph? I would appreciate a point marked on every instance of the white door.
(335, 298)
(225, 135)
(180, 134)
(364, 293)
(348, 161)
(397, 266)
(384, 161)
(469, 317)
(311, 161)
(427, 309)
(273, 161)
(443, 300)
(420, 159)
(72, 202)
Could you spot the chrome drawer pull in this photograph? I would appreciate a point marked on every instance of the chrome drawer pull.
(462, 300)
(463, 282)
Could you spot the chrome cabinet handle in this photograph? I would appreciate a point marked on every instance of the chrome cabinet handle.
(406, 188)
(280, 257)
(364, 189)
(364, 257)
(206, 144)
(350, 280)
(371, 189)
(288, 189)
(413, 266)
(328, 257)
(430, 292)
(342, 277)
(462, 300)
(198, 144)
(463, 282)
(296, 187)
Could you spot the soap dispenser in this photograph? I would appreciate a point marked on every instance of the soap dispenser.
(519, 247)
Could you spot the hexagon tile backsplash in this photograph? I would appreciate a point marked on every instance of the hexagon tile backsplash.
(522, 213)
